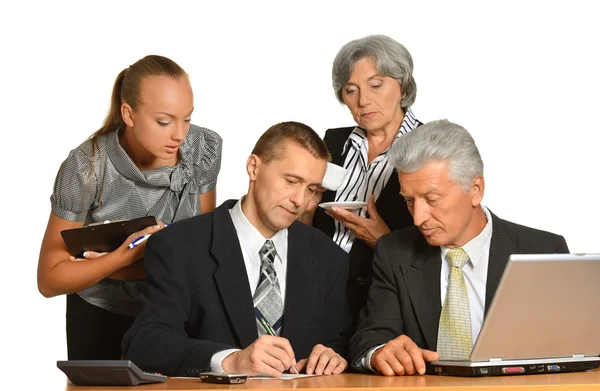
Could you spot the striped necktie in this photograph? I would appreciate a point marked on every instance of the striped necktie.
(455, 339)
(267, 299)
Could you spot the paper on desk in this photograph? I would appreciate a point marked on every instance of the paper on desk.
(285, 376)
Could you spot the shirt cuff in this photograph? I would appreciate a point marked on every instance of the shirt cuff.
(207, 187)
(217, 359)
(67, 214)
(365, 361)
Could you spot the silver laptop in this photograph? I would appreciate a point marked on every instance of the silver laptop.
(545, 317)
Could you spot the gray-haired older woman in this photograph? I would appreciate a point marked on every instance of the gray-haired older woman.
(373, 77)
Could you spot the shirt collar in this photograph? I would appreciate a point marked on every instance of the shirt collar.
(476, 246)
(251, 239)
(358, 136)
(173, 177)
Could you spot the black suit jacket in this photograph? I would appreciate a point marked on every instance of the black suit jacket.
(198, 301)
(390, 206)
(405, 296)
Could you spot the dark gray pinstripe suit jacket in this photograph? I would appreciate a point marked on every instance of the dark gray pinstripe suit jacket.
(198, 299)
(405, 295)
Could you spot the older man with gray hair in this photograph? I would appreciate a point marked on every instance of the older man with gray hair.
(433, 282)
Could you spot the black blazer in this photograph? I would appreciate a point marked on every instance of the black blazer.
(198, 301)
(390, 205)
(405, 296)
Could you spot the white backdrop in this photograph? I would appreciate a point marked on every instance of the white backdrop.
(522, 77)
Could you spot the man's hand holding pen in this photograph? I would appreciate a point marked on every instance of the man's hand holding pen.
(269, 355)
(322, 360)
(272, 355)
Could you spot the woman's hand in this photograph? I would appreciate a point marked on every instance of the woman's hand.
(132, 271)
(369, 230)
(137, 252)
(87, 255)
(59, 273)
(129, 254)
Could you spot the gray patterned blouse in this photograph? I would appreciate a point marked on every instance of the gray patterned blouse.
(108, 186)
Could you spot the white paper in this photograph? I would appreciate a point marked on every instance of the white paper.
(285, 376)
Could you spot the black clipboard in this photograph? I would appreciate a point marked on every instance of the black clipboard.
(103, 237)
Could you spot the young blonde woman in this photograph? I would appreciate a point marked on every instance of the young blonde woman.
(146, 160)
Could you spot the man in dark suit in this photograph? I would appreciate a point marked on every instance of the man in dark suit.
(433, 282)
(247, 288)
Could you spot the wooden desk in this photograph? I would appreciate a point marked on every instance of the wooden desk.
(564, 381)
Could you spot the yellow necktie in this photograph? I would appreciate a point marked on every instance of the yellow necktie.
(455, 340)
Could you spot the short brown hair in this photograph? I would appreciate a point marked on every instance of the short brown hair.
(269, 145)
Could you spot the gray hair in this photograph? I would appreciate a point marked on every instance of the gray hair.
(439, 140)
(391, 59)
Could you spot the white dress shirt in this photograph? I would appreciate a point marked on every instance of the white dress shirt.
(475, 272)
(251, 242)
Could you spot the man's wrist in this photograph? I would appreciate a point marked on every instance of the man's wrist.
(369, 364)
(222, 361)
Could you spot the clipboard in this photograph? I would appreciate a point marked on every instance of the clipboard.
(103, 237)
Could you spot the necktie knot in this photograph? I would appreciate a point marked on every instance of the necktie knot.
(457, 257)
(267, 252)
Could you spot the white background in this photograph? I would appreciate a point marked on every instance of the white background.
(522, 77)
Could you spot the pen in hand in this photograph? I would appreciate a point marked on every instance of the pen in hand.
(265, 323)
(140, 239)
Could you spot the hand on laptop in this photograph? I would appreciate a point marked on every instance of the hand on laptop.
(401, 356)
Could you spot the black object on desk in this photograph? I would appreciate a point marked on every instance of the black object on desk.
(223, 378)
(107, 373)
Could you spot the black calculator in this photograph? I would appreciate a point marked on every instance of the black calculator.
(107, 373)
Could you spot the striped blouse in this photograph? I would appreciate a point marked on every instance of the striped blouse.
(364, 178)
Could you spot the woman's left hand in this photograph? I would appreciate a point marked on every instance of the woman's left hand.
(87, 255)
(135, 271)
(369, 230)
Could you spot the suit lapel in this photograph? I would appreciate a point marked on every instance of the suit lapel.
(301, 285)
(501, 247)
(231, 276)
(422, 279)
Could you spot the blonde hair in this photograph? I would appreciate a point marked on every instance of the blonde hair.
(127, 88)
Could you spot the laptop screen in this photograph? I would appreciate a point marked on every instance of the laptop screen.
(545, 306)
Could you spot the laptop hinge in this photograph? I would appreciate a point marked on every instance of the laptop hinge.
(578, 356)
(495, 359)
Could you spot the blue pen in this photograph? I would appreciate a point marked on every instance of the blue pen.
(139, 240)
